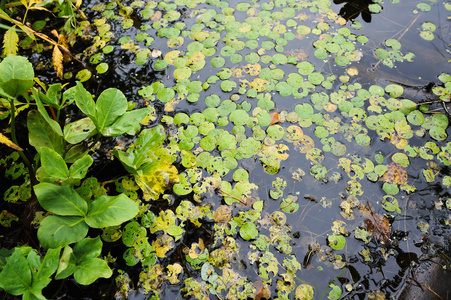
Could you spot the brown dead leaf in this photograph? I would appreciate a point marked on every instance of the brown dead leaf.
(156, 16)
(378, 225)
(223, 214)
(156, 53)
(396, 174)
(274, 118)
(62, 41)
(299, 54)
(262, 291)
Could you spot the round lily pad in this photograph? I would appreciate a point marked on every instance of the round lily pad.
(183, 73)
(248, 231)
(401, 159)
(241, 175)
(338, 148)
(390, 188)
(394, 90)
(336, 242)
(315, 78)
(102, 68)
(305, 68)
(239, 117)
(218, 62)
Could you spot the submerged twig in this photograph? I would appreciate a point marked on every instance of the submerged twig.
(400, 37)
(427, 287)
(231, 196)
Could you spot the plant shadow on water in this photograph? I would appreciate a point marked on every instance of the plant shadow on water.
(310, 149)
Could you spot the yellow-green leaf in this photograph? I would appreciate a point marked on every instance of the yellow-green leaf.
(57, 59)
(10, 40)
(9, 143)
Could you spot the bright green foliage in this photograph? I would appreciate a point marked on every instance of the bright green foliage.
(16, 75)
(336, 242)
(82, 261)
(109, 113)
(26, 273)
(72, 218)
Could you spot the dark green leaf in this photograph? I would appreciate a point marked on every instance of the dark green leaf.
(79, 169)
(57, 231)
(53, 164)
(53, 124)
(15, 277)
(126, 122)
(111, 211)
(41, 135)
(61, 200)
(79, 130)
(87, 248)
(92, 269)
(84, 101)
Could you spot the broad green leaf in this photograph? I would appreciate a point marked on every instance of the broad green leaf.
(142, 150)
(15, 277)
(109, 106)
(111, 211)
(57, 231)
(61, 200)
(87, 248)
(80, 167)
(126, 122)
(75, 153)
(79, 130)
(127, 161)
(35, 291)
(92, 269)
(16, 75)
(42, 272)
(48, 265)
(84, 101)
(41, 135)
(53, 163)
(53, 124)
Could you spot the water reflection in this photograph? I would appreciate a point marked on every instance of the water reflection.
(353, 8)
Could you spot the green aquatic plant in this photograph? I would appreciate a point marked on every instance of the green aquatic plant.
(70, 214)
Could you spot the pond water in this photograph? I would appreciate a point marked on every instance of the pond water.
(329, 216)
(308, 168)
